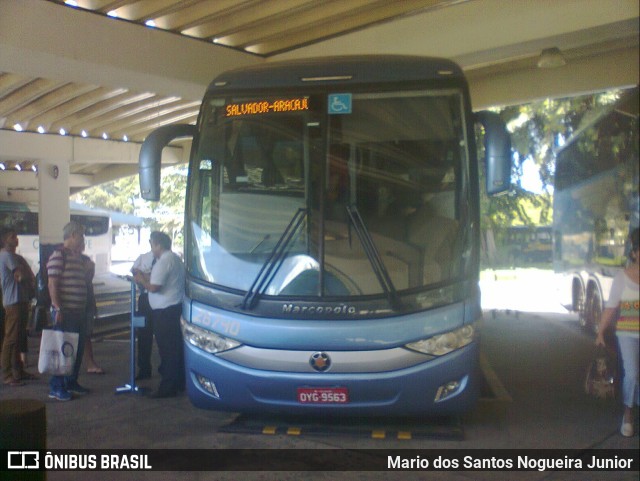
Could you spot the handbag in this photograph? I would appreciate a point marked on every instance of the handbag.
(600, 381)
(57, 352)
(144, 309)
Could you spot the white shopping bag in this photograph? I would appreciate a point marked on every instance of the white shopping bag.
(57, 352)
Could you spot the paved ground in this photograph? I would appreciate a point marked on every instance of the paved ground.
(538, 359)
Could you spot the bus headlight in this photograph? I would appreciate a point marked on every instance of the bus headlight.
(206, 340)
(445, 343)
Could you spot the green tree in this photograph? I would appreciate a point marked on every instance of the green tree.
(123, 195)
(169, 212)
(536, 128)
(119, 195)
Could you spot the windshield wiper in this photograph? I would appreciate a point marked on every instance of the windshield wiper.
(373, 255)
(273, 262)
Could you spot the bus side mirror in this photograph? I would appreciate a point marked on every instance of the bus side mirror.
(497, 146)
(151, 155)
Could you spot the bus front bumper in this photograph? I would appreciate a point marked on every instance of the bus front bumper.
(444, 385)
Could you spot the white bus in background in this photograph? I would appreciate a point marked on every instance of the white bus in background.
(24, 218)
(596, 205)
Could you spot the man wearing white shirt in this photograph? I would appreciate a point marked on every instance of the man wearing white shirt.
(166, 290)
(143, 264)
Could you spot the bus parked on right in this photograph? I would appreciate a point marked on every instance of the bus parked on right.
(596, 204)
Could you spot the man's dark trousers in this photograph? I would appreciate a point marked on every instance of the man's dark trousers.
(145, 336)
(166, 329)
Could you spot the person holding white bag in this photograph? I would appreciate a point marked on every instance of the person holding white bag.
(69, 294)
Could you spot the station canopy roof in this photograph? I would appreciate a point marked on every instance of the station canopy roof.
(117, 69)
(259, 28)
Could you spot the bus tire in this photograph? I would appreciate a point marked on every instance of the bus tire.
(578, 301)
(596, 310)
(593, 309)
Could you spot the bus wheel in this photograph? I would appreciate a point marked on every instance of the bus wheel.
(596, 310)
(579, 305)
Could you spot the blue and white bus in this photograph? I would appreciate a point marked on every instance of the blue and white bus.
(332, 237)
(24, 219)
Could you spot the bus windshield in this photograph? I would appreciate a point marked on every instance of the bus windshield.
(330, 195)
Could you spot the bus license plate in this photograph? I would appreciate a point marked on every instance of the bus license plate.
(323, 395)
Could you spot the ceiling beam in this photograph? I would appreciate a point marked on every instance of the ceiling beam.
(581, 75)
(29, 180)
(42, 39)
(27, 146)
(463, 29)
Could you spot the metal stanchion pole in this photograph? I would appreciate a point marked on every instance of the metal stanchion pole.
(136, 321)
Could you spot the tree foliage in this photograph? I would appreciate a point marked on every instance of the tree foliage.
(536, 128)
(120, 195)
(123, 195)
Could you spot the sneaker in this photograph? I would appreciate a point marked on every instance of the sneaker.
(77, 389)
(626, 429)
(60, 395)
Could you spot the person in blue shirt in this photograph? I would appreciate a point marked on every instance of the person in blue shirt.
(18, 287)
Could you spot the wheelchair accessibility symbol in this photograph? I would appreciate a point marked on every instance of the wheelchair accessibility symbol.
(339, 104)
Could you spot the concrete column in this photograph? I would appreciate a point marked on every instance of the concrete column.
(53, 197)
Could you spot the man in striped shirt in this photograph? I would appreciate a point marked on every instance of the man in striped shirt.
(68, 290)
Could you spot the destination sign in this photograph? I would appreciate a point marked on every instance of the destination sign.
(258, 107)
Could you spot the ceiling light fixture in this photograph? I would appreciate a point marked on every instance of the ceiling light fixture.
(112, 14)
(105, 136)
(2, 166)
(150, 23)
(84, 133)
(62, 131)
(551, 58)
(18, 167)
(41, 129)
(125, 138)
(17, 127)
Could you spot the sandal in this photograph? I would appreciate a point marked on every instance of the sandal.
(95, 370)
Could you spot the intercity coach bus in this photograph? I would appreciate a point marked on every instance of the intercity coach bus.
(332, 237)
(596, 205)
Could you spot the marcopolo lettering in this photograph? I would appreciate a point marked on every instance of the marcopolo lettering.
(328, 310)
